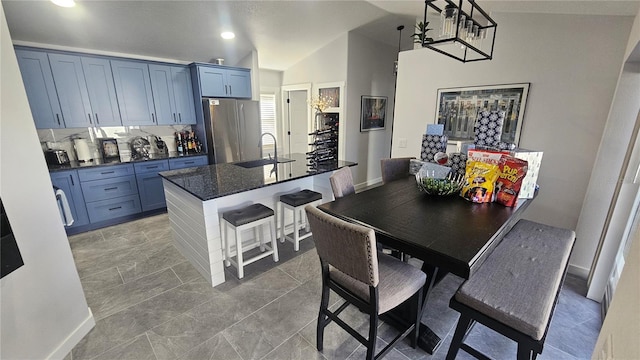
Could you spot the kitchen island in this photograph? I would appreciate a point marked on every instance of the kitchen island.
(197, 197)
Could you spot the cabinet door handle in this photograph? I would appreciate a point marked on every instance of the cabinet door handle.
(153, 118)
(115, 208)
(111, 188)
(107, 172)
(89, 115)
(58, 118)
(71, 177)
(97, 120)
(230, 91)
(188, 162)
(152, 167)
(225, 89)
(180, 118)
(174, 117)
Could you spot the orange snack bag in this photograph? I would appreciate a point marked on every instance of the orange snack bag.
(512, 171)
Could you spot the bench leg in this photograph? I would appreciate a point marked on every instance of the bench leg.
(525, 353)
(464, 323)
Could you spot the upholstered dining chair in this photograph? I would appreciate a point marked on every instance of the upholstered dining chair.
(342, 182)
(394, 168)
(372, 281)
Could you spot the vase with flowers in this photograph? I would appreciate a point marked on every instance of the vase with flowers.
(319, 105)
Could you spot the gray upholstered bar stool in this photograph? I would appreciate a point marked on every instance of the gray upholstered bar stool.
(252, 216)
(296, 203)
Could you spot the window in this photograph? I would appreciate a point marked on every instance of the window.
(268, 117)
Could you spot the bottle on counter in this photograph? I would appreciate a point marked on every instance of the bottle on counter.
(179, 143)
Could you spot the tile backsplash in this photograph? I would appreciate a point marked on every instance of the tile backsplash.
(63, 138)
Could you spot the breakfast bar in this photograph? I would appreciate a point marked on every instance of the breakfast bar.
(197, 197)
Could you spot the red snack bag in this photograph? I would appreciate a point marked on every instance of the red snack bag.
(512, 171)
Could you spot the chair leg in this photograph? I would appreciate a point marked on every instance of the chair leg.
(296, 235)
(418, 309)
(259, 236)
(227, 246)
(373, 335)
(458, 337)
(239, 254)
(274, 240)
(282, 213)
(525, 353)
(322, 318)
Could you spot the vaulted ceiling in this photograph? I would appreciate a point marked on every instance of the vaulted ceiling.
(282, 32)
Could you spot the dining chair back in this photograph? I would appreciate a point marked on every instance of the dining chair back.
(374, 282)
(394, 168)
(342, 182)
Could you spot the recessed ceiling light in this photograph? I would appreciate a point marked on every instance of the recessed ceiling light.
(228, 35)
(64, 3)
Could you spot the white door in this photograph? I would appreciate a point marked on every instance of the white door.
(297, 121)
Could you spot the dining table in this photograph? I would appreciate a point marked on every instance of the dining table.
(448, 233)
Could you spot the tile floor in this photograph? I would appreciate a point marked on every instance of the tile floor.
(150, 303)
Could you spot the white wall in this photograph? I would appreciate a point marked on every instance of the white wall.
(573, 74)
(328, 64)
(43, 309)
(369, 72)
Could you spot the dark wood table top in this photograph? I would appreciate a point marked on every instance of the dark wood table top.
(444, 231)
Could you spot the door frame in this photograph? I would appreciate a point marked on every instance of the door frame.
(285, 109)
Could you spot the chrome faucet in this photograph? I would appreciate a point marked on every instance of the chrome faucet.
(275, 146)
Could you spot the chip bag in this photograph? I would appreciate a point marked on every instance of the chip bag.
(480, 178)
(512, 171)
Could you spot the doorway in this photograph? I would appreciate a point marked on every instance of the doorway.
(296, 119)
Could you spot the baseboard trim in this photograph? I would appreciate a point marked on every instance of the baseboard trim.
(74, 338)
(363, 185)
(578, 271)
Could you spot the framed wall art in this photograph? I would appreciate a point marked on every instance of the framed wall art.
(373, 112)
(457, 109)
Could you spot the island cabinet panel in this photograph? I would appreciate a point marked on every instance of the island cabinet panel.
(72, 90)
(150, 184)
(102, 91)
(68, 182)
(133, 90)
(40, 88)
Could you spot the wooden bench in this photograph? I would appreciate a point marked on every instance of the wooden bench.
(516, 289)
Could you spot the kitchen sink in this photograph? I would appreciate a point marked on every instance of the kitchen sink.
(262, 162)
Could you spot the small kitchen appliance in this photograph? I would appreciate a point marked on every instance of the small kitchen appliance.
(56, 157)
(161, 146)
(140, 148)
(83, 152)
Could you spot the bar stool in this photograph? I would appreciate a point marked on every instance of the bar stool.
(252, 216)
(296, 203)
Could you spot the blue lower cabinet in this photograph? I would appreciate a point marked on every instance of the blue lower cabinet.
(113, 208)
(68, 182)
(109, 188)
(151, 191)
(187, 162)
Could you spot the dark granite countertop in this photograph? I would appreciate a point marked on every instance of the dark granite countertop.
(218, 180)
(74, 165)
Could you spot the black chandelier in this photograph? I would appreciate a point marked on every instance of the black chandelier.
(457, 28)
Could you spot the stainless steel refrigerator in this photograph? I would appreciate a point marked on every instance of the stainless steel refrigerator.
(232, 129)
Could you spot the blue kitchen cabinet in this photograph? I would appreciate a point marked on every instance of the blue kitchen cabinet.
(68, 182)
(113, 208)
(183, 92)
(239, 82)
(133, 90)
(109, 188)
(150, 185)
(172, 94)
(105, 172)
(72, 90)
(163, 96)
(102, 91)
(187, 162)
(40, 88)
(224, 82)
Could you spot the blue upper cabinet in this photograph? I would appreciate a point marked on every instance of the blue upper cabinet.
(239, 82)
(102, 91)
(224, 82)
(163, 96)
(183, 92)
(72, 90)
(133, 89)
(172, 94)
(41, 91)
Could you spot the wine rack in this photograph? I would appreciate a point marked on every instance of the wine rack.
(324, 141)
